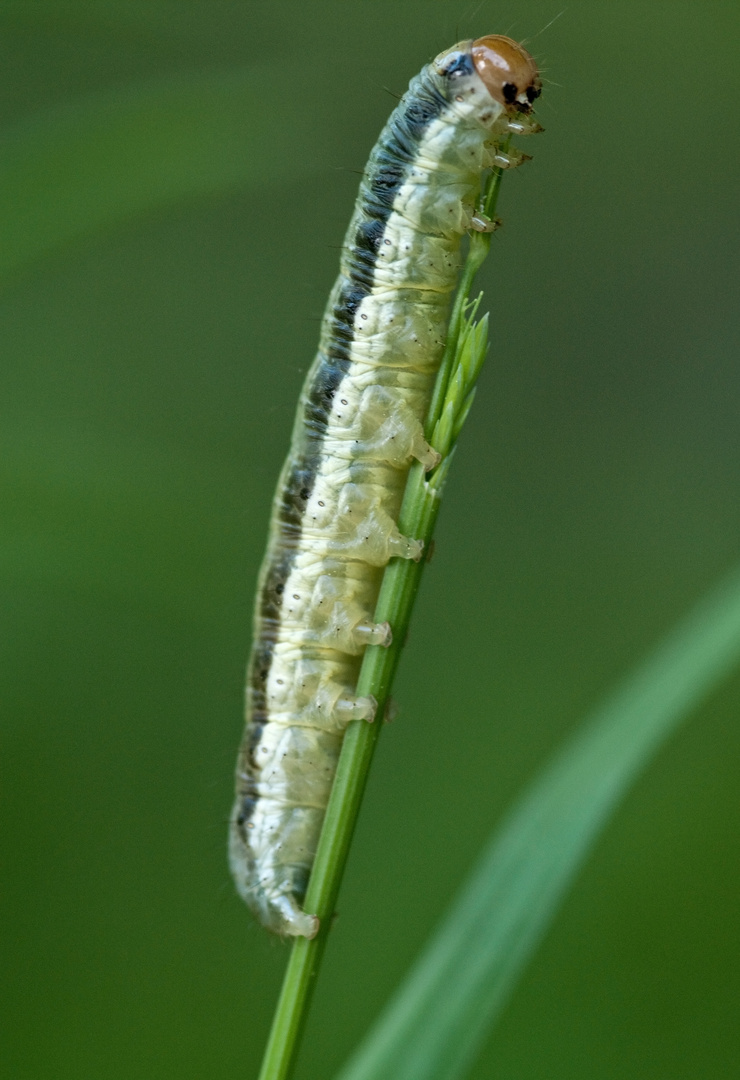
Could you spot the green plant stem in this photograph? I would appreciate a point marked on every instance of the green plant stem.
(480, 244)
(395, 603)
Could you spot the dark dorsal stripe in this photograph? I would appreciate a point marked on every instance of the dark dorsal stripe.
(386, 172)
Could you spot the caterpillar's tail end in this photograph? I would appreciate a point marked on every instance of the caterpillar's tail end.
(268, 890)
(281, 914)
(305, 925)
(286, 917)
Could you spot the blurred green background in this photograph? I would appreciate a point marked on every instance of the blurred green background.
(174, 181)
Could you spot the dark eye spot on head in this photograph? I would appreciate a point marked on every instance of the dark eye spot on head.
(533, 92)
(509, 92)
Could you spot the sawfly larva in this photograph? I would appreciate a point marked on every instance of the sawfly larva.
(358, 427)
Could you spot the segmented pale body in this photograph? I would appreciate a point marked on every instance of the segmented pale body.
(358, 427)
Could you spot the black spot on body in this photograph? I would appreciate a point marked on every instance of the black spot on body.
(255, 738)
(246, 810)
(352, 299)
(462, 64)
(419, 113)
(386, 182)
(509, 91)
(369, 235)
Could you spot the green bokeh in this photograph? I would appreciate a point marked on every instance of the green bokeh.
(153, 356)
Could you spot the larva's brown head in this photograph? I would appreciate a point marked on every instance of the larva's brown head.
(508, 72)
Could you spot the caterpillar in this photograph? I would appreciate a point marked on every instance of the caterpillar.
(357, 430)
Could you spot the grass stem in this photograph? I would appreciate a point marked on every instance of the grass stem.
(451, 399)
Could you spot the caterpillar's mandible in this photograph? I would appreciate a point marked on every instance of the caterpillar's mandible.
(358, 427)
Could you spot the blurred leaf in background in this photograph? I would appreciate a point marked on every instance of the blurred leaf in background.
(174, 181)
(116, 154)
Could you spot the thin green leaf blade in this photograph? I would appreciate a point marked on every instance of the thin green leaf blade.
(436, 1022)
